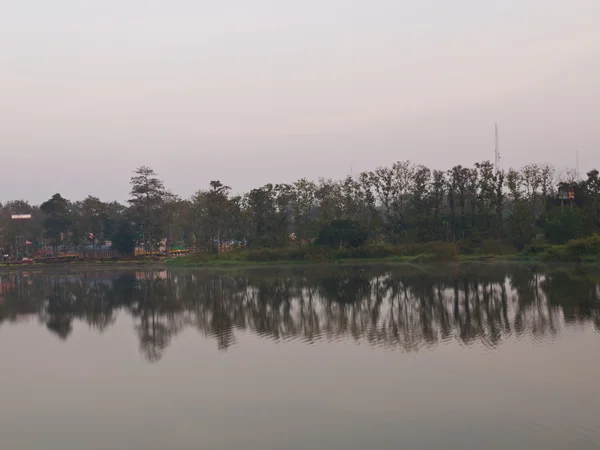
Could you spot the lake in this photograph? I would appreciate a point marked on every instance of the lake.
(454, 357)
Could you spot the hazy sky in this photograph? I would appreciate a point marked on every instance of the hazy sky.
(259, 91)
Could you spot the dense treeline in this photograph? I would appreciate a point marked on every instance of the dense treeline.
(402, 204)
(396, 308)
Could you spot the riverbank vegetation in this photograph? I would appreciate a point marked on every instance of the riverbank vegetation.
(410, 253)
(400, 212)
(585, 250)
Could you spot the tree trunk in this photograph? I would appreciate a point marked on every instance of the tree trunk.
(219, 240)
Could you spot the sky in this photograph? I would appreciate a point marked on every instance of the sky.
(256, 91)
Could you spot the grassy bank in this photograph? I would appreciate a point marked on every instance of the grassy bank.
(95, 265)
(585, 251)
(411, 253)
(582, 251)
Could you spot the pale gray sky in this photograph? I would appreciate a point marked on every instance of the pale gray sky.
(257, 91)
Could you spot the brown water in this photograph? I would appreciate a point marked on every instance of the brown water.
(481, 357)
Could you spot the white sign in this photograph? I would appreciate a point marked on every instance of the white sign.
(21, 216)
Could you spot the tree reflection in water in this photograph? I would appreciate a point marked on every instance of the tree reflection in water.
(399, 307)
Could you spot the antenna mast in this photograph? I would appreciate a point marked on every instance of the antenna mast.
(496, 150)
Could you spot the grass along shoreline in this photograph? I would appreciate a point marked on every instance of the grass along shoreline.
(582, 251)
(95, 265)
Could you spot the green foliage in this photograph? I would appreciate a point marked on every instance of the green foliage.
(433, 251)
(267, 213)
(123, 238)
(519, 224)
(440, 251)
(212, 216)
(536, 248)
(576, 250)
(147, 198)
(586, 247)
(496, 247)
(480, 246)
(403, 211)
(563, 224)
(58, 220)
(342, 233)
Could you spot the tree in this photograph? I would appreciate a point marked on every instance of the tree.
(236, 219)
(569, 176)
(328, 196)
(217, 203)
(457, 194)
(420, 204)
(438, 201)
(94, 215)
(382, 180)
(517, 209)
(115, 214)
(532, 181)
(78, 236)
(519, 225)
(499, 199)
(303, 204)
(359, 202)
(547, 181)
(472, 194)
(147, 196)
(123, 237)
(563, 224)
(172, 216)
(592, 188)
(342, 233)
(196, 220)
(514, 182)
(486, 194)
(57, 221)
(392, 188)
(268, 214)
(14, 233)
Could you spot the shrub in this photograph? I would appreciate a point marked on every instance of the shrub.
(580, 248)
(519, 225)
(469, 246)
(342, 233)
(555, 253)
(574, 250)
(444, 250)
(563, 224)
(537, 247)
(316, 254)
(496, 247)
(439, 251)
(378, 251)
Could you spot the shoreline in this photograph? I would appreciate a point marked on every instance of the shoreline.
(92, 265)
(230, 264)
(226, 264)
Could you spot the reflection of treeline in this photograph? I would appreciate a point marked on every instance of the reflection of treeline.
(391, 307)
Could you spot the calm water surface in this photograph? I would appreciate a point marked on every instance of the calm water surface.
(478, 357)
